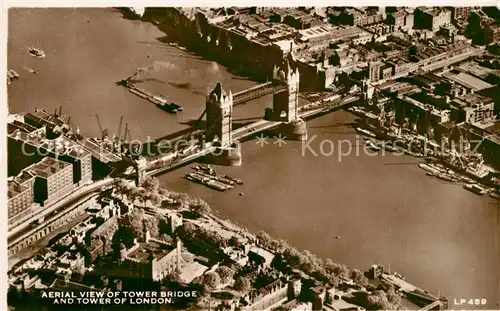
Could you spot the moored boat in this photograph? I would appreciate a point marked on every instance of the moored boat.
(370, 144)
(236, 180)
(366, 132)
(477, 189)
(429, 168)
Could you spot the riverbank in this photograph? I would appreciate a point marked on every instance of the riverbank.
(383, 207)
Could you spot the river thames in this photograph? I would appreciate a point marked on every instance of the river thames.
(382, 209)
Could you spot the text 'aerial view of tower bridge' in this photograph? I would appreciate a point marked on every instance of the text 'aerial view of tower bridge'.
(253, 158)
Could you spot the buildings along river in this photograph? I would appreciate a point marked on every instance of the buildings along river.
(385, 209)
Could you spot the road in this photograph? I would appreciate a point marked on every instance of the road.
(70, 200)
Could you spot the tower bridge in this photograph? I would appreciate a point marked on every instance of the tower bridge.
(221, 144)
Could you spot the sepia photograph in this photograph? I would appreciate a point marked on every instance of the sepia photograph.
(326, 158)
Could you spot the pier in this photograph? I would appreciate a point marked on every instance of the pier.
(415, 294)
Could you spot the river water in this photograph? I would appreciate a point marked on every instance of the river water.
(383, 209)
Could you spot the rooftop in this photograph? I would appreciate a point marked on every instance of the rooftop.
(147, 251)
(268, 256)
(17, 125)
(469, 81)
(48, 167)
(18, 184)
(14, 189)
(60, 145)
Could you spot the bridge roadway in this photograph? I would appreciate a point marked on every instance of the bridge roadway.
(311, 110)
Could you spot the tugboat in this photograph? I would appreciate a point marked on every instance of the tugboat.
(236, 180)
(446, 177)
(36, 52)
(372, 145)
(475, 188)
(495, 195)
(366, 132)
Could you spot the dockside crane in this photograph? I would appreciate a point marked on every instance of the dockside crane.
(119, 129)
(125, 132)
(104, 132)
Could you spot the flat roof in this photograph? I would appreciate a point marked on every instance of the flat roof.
(147, 251)
(48, 166)
(470, 81)
(15, 189)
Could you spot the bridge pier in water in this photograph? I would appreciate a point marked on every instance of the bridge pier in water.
(219, 109)
(286, 104)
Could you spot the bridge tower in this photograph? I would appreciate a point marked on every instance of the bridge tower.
(286, 104)
(219, 109)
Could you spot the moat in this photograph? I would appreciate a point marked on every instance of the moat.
(384, 209)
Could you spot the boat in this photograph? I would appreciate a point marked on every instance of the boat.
(36, 52)
(372, 145)
(166, 107)
(446, 177)
(429, 168)
(495, 195)
(196, 178)
(366, 132)
(390, 147)
(13, 74)
(475, 188)
(175, 106)
(225, 181)
(216, 185)
(236, 180)
(467, 179)
(207, 169)
(182, 48)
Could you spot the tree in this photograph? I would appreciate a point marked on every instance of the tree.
(393, 297)
(151, 185)
(199, 206)
(135, 221)
(189, 229)
(378, 301)
(264, 238)
(225, 273)
(154, 198)
(242, 284)
(292, 256)
(151, 224)
(124, 235)
(358, 277)
(234, 241)
(210, 281)
(163, 227)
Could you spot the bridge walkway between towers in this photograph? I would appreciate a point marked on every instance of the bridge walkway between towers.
(257, 92)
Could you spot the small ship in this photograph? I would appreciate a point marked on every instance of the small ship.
(366, 132)
(372, 145)
(36, 52)
(236, 180)
(475, 188)
(205, 180)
